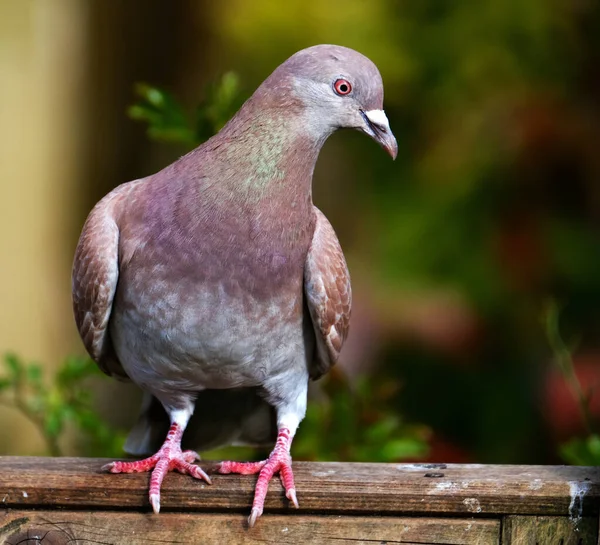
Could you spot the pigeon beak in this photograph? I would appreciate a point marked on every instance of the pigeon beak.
(377, 127)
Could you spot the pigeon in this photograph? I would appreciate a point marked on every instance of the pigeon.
(217, 286)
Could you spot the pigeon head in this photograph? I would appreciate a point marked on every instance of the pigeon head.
(335, 87)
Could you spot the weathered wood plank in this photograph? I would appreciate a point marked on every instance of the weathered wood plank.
(322, 487)
(117, 528)
(518, 530)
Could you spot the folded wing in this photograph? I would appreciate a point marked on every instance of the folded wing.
(94, 282)
(328, 294)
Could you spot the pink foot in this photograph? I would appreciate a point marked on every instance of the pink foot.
(168, 458)
(280, 462)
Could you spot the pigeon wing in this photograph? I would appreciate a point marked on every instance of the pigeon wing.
(328, 294)
(94, 281)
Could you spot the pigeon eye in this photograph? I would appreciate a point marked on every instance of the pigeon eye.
(342, 87)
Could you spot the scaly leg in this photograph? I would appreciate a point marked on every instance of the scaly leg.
(169, 458)
(279, 461)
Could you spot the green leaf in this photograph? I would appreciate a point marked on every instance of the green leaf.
(34, 374)
(593, 444)
(14, 364)
(54, 424)
(166, 119)
(382, 430)
(585, 452)
(222, 100)
(403, 448)
(154, 96)
(75, 369)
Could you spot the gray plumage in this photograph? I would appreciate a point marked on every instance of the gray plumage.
(218, 273)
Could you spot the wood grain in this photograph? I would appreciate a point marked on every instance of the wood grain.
(517, 530)
(62, 527)
(322, 487)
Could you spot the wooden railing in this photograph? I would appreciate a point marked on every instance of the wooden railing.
(56, 501)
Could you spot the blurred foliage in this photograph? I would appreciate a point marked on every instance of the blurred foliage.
(51, 407)
(168, 122)
(582, 452)
(564, 362)
(354, 422)
(576, 451)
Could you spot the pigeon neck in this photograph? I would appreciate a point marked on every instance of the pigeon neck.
(275, 151)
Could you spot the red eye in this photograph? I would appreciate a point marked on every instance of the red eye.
(342, 87)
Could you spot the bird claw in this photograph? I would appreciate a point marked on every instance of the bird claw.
(168, 458)
(291, 495)
(278, 462)
(195, 471)
(155, 503)
(254, 514)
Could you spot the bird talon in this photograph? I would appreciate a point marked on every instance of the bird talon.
(254, 514)
(155, 502)
(291, 495)
(198, 473)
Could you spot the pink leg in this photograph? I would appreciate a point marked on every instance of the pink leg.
(168, 458)
(279, 461)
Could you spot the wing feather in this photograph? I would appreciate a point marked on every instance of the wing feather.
(94, 281)
(328, 294)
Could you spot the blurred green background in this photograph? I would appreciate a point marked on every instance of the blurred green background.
(490, 213)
